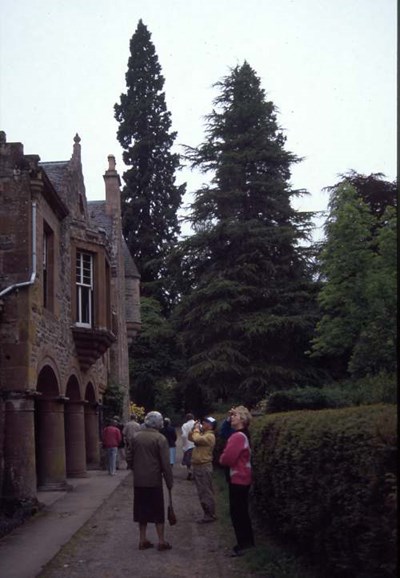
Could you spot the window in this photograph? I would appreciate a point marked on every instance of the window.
(84, 289)
(48, 267)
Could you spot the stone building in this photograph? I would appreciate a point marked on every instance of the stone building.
(69, 306)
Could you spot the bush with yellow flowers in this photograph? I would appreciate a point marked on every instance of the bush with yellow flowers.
(138, 410)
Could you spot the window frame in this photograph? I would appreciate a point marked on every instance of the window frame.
(84, 288)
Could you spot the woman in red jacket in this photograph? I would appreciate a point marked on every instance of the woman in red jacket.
(236, 456)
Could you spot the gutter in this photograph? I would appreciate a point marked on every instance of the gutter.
(31, 281)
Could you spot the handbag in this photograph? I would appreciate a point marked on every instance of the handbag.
(170, 512)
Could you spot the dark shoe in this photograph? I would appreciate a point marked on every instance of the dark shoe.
(145, 545)
(236, 553)
(164, 546)
(207, 520)
(189, 476)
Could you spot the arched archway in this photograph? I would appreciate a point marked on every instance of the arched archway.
(75, 450)
(92, 436)
(49, 433)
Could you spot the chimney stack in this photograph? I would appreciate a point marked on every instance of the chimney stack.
(113, 184)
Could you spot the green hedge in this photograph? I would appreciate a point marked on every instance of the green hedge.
(380, 388)
(327, 480)
(305, 398)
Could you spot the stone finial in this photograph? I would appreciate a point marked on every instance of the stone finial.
(76, 155)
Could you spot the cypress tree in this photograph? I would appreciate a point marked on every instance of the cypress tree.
(150, 198)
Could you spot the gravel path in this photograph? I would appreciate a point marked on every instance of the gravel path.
(107, 545)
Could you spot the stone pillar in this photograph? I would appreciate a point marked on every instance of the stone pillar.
(50, 451)
(19, 487)
(92, 437)
(75, 452)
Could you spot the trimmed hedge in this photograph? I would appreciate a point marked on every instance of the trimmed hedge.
(327, 479)
(372, 390)
(305, 398)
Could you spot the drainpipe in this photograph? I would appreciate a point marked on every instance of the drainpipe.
(33, 274)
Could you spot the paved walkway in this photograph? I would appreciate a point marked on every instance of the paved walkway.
(89, 533)
(29, 547)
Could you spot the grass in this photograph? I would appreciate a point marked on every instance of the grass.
(268, 559)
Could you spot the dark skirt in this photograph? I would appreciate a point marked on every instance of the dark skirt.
(148, 505)
(187, 458)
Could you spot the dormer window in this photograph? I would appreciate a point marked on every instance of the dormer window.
(84, 289)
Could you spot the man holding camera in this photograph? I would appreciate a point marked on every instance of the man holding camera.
(203, 437)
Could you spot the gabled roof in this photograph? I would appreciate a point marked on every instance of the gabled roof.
(97, 213)
(56, 173)
(130, 266)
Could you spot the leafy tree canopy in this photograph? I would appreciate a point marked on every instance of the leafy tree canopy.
(154, 358)
(358, 263)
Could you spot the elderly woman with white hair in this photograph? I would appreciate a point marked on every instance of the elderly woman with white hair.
(149, 460)
(236, 456)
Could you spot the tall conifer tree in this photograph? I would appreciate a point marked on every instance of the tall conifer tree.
(247, 320)
(150, 197)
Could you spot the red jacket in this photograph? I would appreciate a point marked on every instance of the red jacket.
(111, 437)
(236, 456)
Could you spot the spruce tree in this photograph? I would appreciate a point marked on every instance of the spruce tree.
(247, 319)
(150, 198)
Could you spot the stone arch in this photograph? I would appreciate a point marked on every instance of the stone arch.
(47, 382)
(49, 432)
(74, 430)
(49, 378)
(92, 427)
(90, 393)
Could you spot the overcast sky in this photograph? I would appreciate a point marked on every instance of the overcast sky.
(328, 65)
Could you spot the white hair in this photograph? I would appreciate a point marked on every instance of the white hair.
(154, 419)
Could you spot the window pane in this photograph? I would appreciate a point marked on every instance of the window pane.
(84, 285)
(85, 295)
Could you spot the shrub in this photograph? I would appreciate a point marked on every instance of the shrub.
(380, 388)
(327, 479)
(113, 401)
(305, 398)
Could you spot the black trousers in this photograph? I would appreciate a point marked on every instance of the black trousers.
(239, 512)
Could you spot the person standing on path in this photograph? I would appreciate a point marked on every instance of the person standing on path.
(187, 445)
(149, 459)
(170, 433)
(203, 437)
(130, 428)
(236, 456)
(111, 439)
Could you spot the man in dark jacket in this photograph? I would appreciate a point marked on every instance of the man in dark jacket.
(148, 457)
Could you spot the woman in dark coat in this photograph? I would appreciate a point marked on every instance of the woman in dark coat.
(148, 457)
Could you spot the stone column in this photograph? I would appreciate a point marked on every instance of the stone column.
(51, 469)
(19, 488)
(92, 437)
(75, 452)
